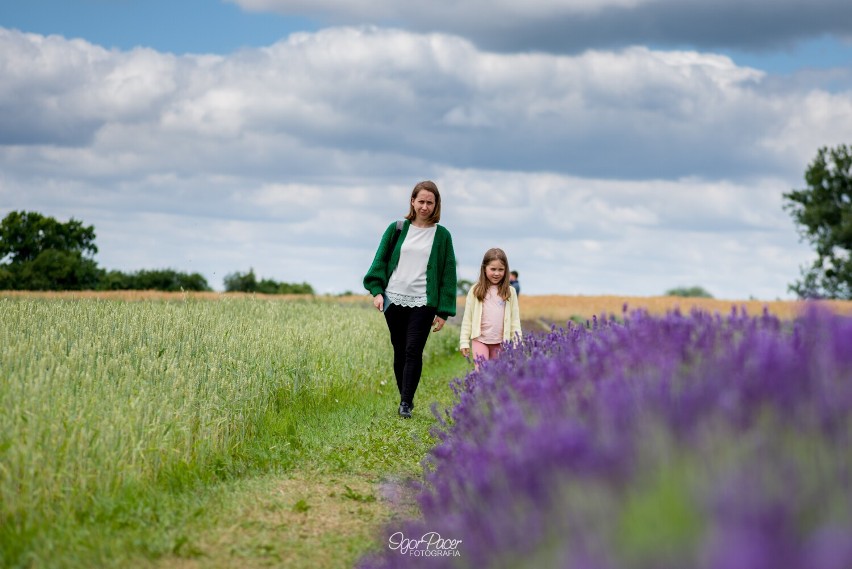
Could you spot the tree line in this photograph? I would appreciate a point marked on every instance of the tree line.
(37, 252)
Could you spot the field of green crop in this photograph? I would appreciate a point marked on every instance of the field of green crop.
(113, 411)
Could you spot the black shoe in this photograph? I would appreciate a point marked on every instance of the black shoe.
(404, 410)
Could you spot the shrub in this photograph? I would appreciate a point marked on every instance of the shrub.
(168, 280)
(247, 282)
(689, 292)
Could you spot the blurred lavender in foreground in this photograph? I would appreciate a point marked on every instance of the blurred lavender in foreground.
(695, 441)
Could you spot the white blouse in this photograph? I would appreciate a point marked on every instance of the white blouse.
(407, 285)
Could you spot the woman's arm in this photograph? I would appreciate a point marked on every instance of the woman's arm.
(376, 278)
(448, 285)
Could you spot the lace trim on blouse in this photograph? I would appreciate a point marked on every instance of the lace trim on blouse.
(406, 299)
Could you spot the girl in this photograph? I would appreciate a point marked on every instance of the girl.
(413, 281)
(491, 313)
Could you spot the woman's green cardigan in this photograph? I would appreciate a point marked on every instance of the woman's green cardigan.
(440, 269)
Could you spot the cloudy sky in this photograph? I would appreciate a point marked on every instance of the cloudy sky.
(609, 146)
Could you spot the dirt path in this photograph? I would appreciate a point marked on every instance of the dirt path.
(302, 520)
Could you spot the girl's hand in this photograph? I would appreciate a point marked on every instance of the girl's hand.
(465, 352)
(438, 323)
(379, 302)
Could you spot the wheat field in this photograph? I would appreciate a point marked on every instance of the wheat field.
(549, 309)
(104, 399)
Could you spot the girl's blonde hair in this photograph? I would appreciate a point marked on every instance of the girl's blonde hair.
(480, 289)
(431, 187)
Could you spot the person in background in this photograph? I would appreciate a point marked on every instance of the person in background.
(491, 312)
(513, 280)
(413, 281)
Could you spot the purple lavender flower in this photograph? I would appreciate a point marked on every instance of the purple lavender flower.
(679, 441)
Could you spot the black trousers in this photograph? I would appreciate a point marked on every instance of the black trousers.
(409, 329)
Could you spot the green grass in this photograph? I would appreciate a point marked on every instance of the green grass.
(128, 426)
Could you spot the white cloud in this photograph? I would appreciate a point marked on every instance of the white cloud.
(822, 119)
(626, 171)
(397, 96)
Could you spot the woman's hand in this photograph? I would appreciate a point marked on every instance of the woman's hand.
(465, 352)
(438, 323)
(379, 302)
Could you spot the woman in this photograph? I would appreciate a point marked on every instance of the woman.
(413, 281)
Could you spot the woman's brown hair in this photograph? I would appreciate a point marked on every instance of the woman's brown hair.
(480, 289)
(429, 186)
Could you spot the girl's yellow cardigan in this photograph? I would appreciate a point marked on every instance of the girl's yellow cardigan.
(472, 320)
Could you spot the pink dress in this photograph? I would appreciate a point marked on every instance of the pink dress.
(487, 346)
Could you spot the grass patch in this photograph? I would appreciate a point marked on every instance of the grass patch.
(129, 428)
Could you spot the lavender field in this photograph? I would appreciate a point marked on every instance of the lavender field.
(682, 441)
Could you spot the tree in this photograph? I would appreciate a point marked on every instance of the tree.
(238, 282)
(823, 211)
(25, 234)
(39, 253)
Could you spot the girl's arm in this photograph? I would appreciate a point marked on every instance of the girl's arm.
(466, 325)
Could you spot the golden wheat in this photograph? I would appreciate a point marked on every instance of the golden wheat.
(556, 309)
